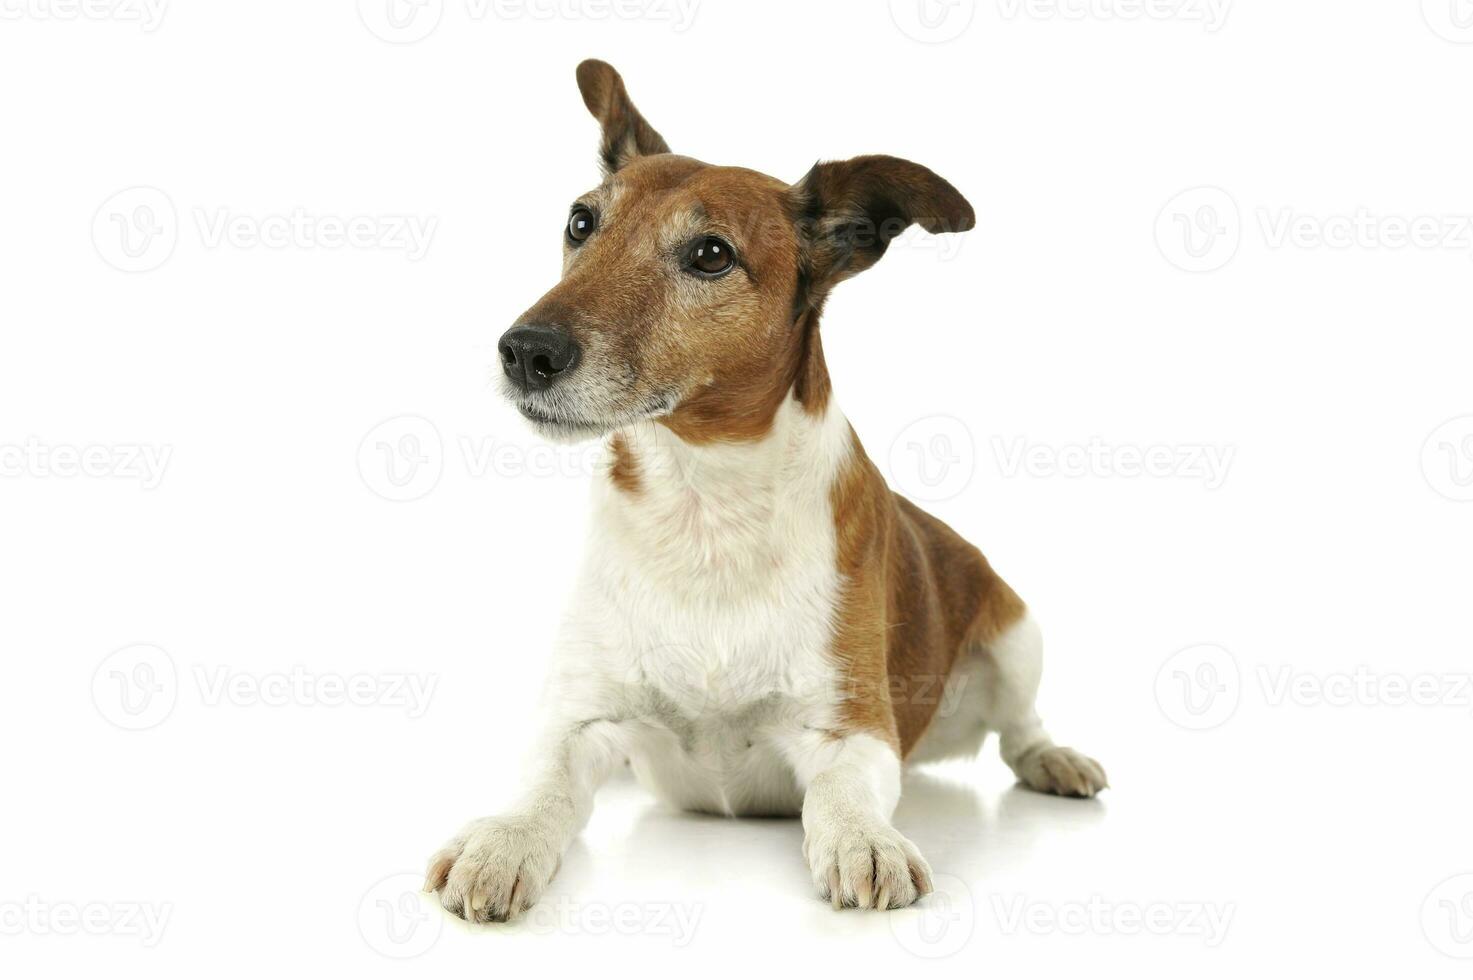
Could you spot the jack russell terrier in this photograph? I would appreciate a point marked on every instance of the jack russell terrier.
(761, 626)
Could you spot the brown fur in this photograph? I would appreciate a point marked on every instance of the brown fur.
(623, 468)
(849, 211)
(916, 596)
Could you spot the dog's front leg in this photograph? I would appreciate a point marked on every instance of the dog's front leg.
(851, 785)
(497, 867)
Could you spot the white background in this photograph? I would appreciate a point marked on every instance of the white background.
(270, 830)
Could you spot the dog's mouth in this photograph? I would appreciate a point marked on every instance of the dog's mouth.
(559, 426)
(556, 423)
(534, 414)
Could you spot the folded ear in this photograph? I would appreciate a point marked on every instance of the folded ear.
(850, 210)
(626, 134)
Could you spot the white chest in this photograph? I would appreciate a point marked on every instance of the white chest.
(705, 611)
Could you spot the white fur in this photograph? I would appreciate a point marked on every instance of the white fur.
(703, 617)
(698, 647)
(999, 683)
(855, 856)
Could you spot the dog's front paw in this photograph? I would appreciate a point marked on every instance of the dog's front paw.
(495, 868)
(865, 866)
(1062, 771)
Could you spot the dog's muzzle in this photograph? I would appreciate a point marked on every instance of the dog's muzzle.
(534, 356)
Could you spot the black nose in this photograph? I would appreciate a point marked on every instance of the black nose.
(534, 356)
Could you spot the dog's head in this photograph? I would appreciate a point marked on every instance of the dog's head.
(690, 292)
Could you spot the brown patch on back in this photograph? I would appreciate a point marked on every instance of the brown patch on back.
(915, 595)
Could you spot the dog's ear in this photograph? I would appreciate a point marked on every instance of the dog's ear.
(626, 135)
(847, 212)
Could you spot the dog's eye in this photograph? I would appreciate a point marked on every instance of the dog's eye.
(580, 225)
(711, 257)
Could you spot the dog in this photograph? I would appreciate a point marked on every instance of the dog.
(761, 626)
